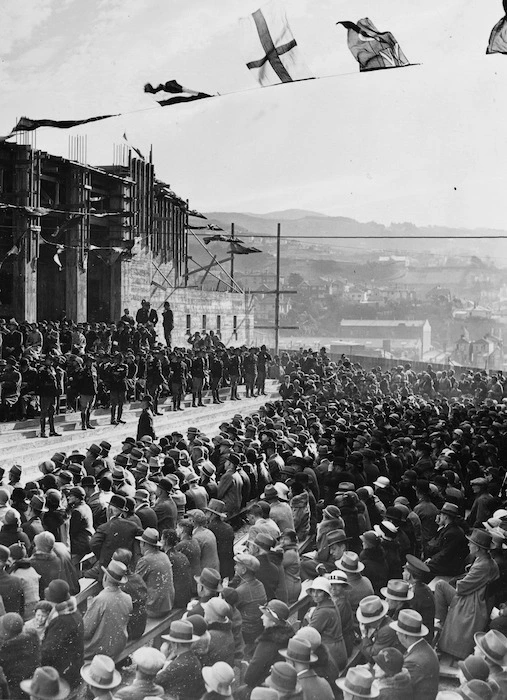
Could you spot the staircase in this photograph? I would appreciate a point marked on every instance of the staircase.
(20, 442)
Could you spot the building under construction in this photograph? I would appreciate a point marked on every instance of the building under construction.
(85, 242)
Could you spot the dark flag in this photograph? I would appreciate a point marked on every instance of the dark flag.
(181, 94)
(237, 248)
(26, 124)
(498, 37)
(217, 239)
(372, 49)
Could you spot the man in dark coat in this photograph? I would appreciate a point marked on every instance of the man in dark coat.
(448, 550)
(145, 424)
(423, 601)
(11, 589)
(165, 508)
(224, 535)
(19, 651)
(181, 676)
(117, 532)
(62, 646)
(421, 660)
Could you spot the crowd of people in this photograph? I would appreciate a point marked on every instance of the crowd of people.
(99, 365)
(397, 493)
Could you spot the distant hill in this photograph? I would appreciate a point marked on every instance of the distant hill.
(290, 215)
(342, 232)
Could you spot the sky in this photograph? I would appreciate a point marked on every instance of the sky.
(423, 144)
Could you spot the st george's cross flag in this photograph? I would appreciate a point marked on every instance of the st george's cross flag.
(269, 47)
(373, 49)
(172, 87)
(498, 36)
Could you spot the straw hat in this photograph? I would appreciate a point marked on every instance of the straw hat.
(359, 682)
(397, 589)
(371, 609)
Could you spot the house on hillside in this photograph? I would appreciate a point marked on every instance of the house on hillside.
(487, 352)
(403, 338)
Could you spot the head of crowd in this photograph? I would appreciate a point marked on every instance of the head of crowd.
(348, 539)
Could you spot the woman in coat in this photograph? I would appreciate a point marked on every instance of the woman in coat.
(291, 565)
(340, 588)
(325, 618)
(463, 610)
(275, 636)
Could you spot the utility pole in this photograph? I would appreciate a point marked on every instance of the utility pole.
(232, 257)
(277, 290)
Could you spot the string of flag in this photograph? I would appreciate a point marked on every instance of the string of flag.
(273, 57)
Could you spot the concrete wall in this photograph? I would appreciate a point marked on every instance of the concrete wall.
(141, 279)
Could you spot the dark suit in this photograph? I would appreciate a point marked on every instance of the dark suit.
(117, 532)
(448, 551)
(182, 677)
(421, 661)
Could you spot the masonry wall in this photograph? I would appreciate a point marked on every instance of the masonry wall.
(146, 277)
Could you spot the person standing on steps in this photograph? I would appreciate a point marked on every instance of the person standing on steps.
(145, 424)
(216, 368)
(262, 362)
(198, 371)
(48, 391)
(177, 379)
(118, 386)
(154, 381)
(168, 323)
(86, 382)
(235, 365)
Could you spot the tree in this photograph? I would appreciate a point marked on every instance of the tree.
(294, 280)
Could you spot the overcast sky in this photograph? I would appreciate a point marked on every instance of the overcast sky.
(423, 144)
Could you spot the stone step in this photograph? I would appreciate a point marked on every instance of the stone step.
(23, 446)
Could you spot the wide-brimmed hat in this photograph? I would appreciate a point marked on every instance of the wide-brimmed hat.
(46, 684)
(210, 578)
(100, 672)
(359, 683)
(116, 570)
(182, 632)
(320, 584)
(283, 678)
(219, 677)
(409, 622)
(150, 536)
(277, 610)
(397, 589)
(493, 645)
(481, 538)
(299, 650)
(217, 507)
(371, 609)
(350, 563)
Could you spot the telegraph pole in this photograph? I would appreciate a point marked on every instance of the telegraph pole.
(277, 290)
(232, 257)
